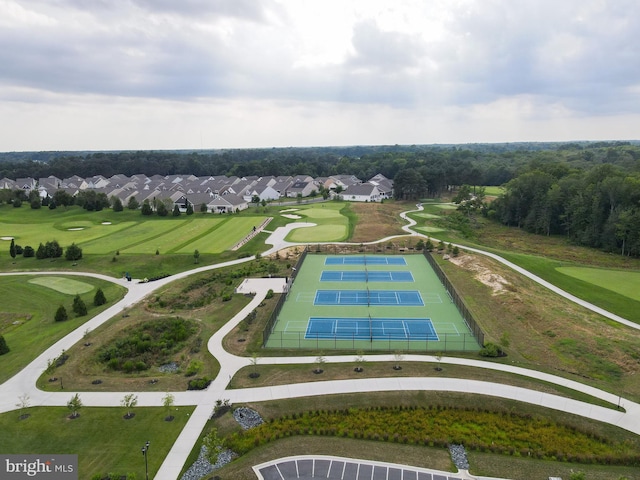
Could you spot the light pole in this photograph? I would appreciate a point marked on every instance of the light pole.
(145, 449)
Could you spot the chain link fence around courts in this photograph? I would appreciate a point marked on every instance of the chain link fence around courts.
(276, 311)
(452, 342)
(457, 299)
(300, 341)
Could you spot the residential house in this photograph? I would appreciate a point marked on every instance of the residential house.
(362, 192)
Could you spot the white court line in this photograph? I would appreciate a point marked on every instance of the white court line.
(440, 327)
(305, 297)
(295, 326)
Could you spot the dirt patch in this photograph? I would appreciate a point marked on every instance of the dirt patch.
(9, 320)
(496, 282)
(378, 220)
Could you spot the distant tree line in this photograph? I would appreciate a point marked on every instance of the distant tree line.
(597, 207)
(426, 169)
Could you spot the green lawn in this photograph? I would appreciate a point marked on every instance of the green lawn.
(129, 232)
(604, 297)
(64, 285)
(103, 440)
(623, 282)
(493, 191)
(36, 233)
(27, 321)
(332, 223)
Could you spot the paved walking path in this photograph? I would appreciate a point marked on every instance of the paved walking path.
(24, 381)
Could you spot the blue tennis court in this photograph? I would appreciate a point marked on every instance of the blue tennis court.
(365, 276)
(371, 329)
(364, 260)
(405, 298)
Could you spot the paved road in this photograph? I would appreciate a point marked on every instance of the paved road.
(24, 381)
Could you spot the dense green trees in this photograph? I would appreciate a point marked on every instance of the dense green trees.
(73, 252)
(50, 249)
(598, 207)
(440, 165)
(91, 200)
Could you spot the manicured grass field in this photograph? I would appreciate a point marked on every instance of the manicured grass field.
(493, 191)
(607, 298)
(332, 224)
(428, 230)
(27, 321)
(103, 440)
(625, 283)
(128, 232)
(64, 285)
(36, 233)
(446, 206)
(226, 236)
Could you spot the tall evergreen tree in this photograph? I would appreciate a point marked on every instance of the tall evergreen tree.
(61, 314)
(4, 348)
(99, 298)
(12, 248)
(79, 307)
(73, 252)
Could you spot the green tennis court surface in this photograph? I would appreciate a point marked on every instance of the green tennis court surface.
(343, 302)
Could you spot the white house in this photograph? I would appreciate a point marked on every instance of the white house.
(362, 192)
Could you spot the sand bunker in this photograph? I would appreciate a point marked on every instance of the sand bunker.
(106, 223)
(293, 217)
(290, 210)
(75, 229)
(492, 280)
(6, 238)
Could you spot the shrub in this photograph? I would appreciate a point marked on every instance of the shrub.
(198, 383)
(61, 314)
(4, 348)
(117, 205)
(491, 350)
(28, 252)
(269, 294)
(194, 367)
(73, 252)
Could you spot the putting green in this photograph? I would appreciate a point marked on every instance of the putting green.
(430, 229)
(332, 226)
(623, 282)
(427, 215)
(446, 206)
(63, 285)
(320, 233)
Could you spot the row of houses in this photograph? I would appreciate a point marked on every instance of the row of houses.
(221, 194)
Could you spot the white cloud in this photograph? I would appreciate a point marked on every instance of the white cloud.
(152, 74)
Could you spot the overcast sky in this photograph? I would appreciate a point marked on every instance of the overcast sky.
(165, 74)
